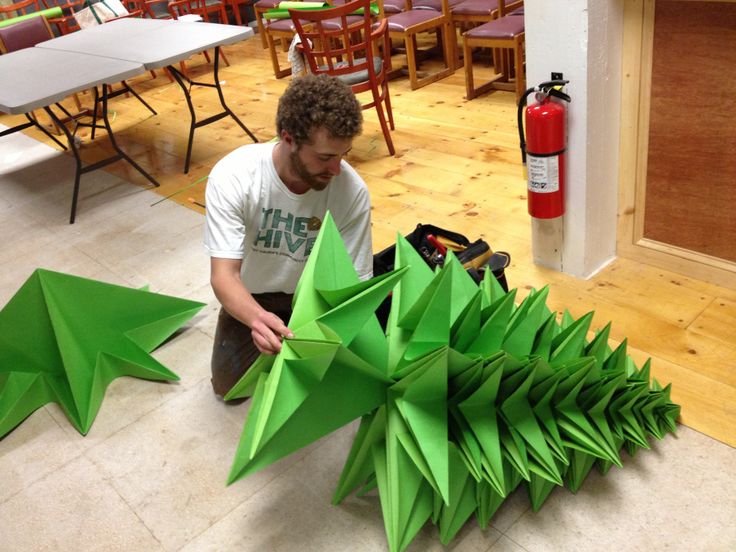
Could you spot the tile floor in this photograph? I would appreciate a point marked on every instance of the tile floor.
(150, 475)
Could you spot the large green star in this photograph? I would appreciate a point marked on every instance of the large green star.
(64, 338)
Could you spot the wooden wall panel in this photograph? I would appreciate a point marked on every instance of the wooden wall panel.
(691, 170)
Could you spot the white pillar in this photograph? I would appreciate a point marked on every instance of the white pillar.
(581, 39)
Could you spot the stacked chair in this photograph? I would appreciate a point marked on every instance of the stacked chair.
(504, 35)
(260, 7)
(235, 8)
(283, 31)
(407, 24)
(208, 11)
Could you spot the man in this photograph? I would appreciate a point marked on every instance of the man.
(265, 206)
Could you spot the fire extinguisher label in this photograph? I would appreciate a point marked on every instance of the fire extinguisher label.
(544, 174)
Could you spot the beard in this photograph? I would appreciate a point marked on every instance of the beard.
(317, 182)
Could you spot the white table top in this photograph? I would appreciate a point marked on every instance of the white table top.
(33, 78)
(153, 43)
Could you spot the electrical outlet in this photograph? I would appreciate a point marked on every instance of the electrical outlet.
(557, 76)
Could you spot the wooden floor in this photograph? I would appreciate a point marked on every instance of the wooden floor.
(457, 166)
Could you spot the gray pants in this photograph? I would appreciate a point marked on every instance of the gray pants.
(234, 350)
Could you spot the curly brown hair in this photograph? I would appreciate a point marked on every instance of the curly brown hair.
(314, 101)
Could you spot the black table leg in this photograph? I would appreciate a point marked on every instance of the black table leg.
(80, 170)
(32, 123)
(180, 78)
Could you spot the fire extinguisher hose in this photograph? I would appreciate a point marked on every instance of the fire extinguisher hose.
(520, 122)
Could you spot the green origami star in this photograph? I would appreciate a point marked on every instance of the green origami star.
(465, 396)
(63, 339)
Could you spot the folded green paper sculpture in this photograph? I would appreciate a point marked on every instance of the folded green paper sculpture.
(64, 338)
(465, 396)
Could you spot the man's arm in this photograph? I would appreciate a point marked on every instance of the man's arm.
(267, 329)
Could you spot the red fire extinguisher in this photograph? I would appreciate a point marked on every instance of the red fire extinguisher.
(543, 150)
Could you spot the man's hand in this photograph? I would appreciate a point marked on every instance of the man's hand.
(268, 330)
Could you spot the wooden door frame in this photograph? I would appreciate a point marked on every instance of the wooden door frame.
(638, 35)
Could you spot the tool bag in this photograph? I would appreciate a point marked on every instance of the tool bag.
(432, 243)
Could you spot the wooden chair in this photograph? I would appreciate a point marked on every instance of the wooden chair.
(206, 11)
(503, 34)
(211, 11)
(350, 49)
(471, 13)
(283, 31)
(65, 23)
(22, 7)
(155, 9)
(234, 6)
(260, 8)
(407, 24)
(24, 34)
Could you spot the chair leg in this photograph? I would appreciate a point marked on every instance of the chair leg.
(450, 45)
(261, 27)
(224, 57)
(469, 85)
(77, 102)
(520, 71)
(236, 13)
(277, 71)
(411, 60)
(382, 118)
(456, 62)
(389, 111)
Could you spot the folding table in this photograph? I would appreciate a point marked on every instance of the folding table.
(156, 44)
(36, 78)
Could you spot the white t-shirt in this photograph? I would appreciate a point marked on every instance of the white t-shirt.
(252, 215)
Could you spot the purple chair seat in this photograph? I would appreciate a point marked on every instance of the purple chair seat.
(517, 11)
(267, 4)
(393, 6)
(25, 34)
(435, 5)
(399, 22)
(336, 23)
(505, 27)
(475, 7)
(282, 25)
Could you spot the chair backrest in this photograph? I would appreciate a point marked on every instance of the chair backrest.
(155, 9)
(203, 8)
(505, 7)
(337, 42)
(25, 34)
(66, 23)
(22, 7)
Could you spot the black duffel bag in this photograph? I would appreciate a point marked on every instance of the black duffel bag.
(429, 241)
(432, 243)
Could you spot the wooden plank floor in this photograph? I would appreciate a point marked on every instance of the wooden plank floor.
(457, 166)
